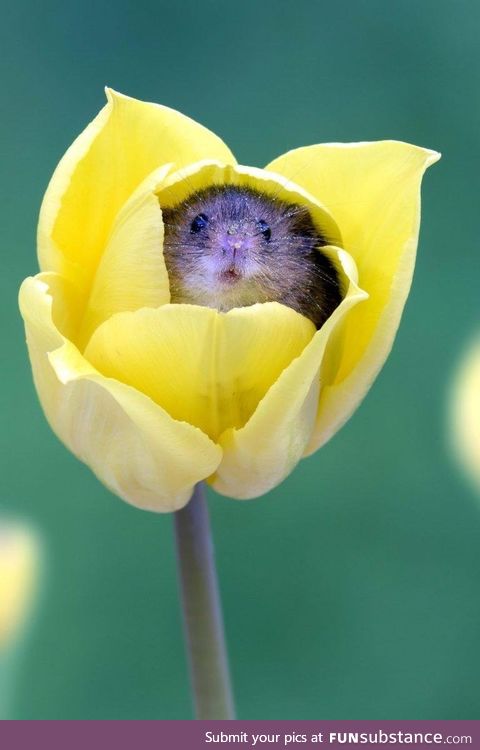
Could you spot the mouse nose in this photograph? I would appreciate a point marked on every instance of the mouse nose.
(231, 252)
(233, 247)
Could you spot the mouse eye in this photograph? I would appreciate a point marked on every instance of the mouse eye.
(265, 229)
(199, 222)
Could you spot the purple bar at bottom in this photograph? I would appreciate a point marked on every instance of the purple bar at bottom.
(210, 735)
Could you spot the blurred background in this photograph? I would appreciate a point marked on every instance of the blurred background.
(353, 590)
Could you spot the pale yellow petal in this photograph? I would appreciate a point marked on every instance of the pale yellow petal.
(208, 368)
(126, 142)
(54, 255)
(131, 272)
(134, 447)
(19, 556)
(373, 192)
(261, 454)
(465, 412)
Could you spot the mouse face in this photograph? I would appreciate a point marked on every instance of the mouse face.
(230, 246)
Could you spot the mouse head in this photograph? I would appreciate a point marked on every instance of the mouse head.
(233, 242)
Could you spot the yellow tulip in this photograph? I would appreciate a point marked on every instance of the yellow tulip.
(18, 573)
(465, 411)
(155, 396)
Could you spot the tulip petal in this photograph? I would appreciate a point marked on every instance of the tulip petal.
(127, 141)
(131, 273)
(465, 411)
(373, 192)
(261, 454)
(134, 447)
(208, 368)
(19, 557)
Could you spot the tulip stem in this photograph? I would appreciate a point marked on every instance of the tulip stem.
(202, 612)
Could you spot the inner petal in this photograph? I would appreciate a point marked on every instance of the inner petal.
(204, 367)
(131, 273)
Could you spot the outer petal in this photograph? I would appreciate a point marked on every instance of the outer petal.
(125, 142)
(261, 454)
(132, 445)
(208, 368)
(465, 412)
(373, 192)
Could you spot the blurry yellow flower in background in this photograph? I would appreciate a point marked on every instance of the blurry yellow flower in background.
(19, 561)
(156, 397)
(465, 412)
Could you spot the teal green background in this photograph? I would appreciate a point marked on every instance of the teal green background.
(351, 591)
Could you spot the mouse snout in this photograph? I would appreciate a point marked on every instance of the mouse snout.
(234, 248)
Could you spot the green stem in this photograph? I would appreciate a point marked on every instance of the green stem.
(202, 613)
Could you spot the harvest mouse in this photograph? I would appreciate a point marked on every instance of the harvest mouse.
(228, 246)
